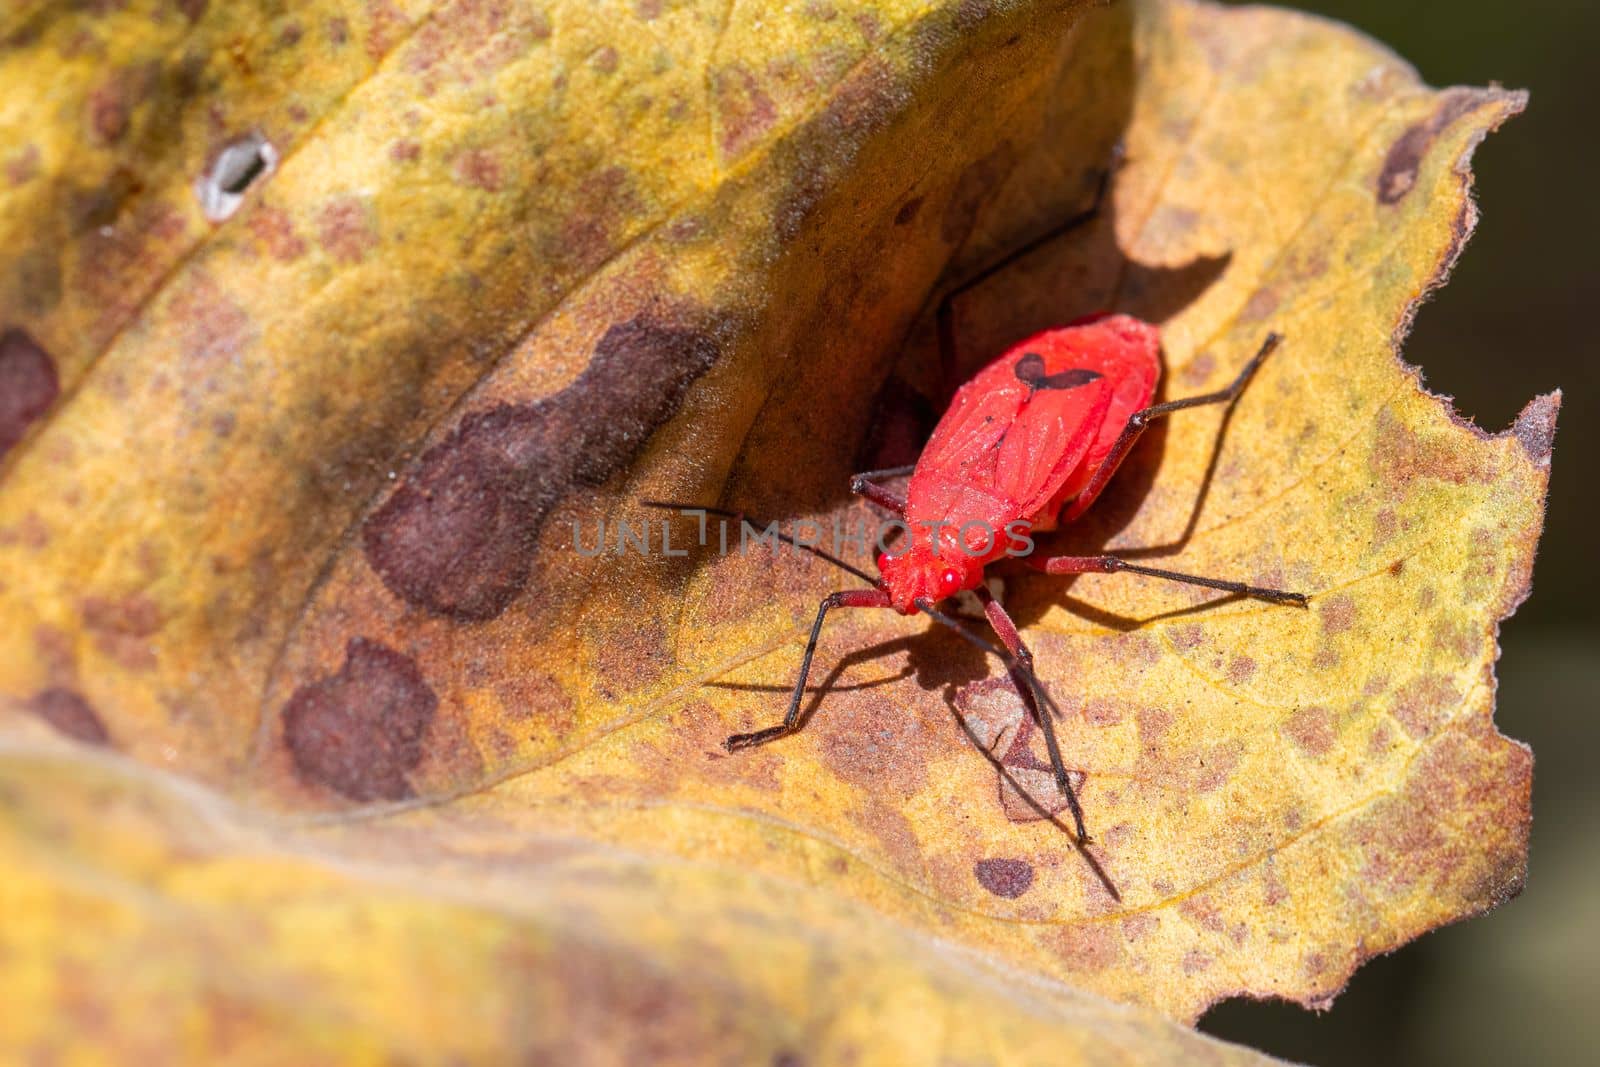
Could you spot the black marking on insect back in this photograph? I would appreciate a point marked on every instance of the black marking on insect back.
(458, 537)
(359, 731)
(1030, 372)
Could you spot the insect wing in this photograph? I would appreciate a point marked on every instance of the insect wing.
(1127, 353)
(1048, 439)
(1030, 428)
(963, 443)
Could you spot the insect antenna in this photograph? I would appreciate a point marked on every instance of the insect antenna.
(762, 529)
(1048, 710)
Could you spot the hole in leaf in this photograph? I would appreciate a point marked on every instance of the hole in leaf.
(238, 166)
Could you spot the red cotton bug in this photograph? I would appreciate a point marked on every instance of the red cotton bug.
(1027, 444)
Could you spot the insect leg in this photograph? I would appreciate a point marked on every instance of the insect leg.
(848, 598)
(1113, 564)
(1006, 630)
(1140, 419)
(866, 484)
(945, 319)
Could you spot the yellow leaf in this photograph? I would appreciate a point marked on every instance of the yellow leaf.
(330, 351)
(146, 920)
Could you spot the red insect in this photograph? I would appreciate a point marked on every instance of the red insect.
(1027, 444)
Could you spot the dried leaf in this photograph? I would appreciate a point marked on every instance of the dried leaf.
(296, 502)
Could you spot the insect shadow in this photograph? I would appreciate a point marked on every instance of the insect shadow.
(938, 662)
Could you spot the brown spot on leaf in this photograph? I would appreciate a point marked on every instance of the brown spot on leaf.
(864, 101)
(458, 536)
(478, 168)
(585, 236)
(22, 166)
(1274, 892)
(54, 648)
(136, 615)
(1311, 730)
(273, 227)
(892, 831)
(1087, 948)
(386, 26)
(1338, 614)
(970, 13)
(99, 206)
(1402, 454)
(1458, 639)
(1381, 741)
(631, 656)
(1104, 711)
(876, 746)
(538, 697)
(1140, 925)
(29, 531)
(1400, 166)
(28, 385)
(1425, 703)
(1153, 725)
(214, 326)
(1241, 669)
(1535, 428)
(70, 714)
(1188, 637)
(744, 109)
(1198, 370)
(108, 112)
(1401, 843)
(1202, 911)
(344, 230)
(361, 730)
(1215, 763)
(1409, 844)
(1007, 878)
(1384, 526)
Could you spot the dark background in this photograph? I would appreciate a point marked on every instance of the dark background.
(1519, 317)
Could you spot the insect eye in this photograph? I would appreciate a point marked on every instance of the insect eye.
(949, 580)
